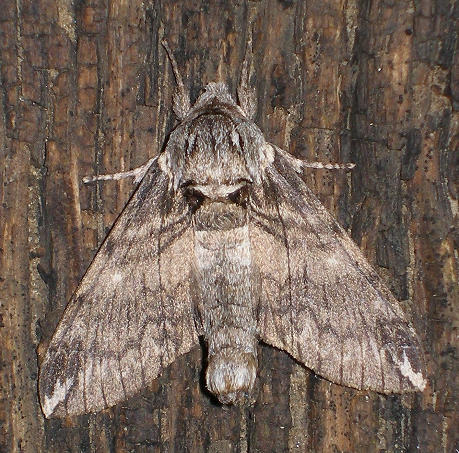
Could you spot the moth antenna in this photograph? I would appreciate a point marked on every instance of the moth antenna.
(137, 173)
(328, 166)
(299, 165)
(245, 93)
(181, 100)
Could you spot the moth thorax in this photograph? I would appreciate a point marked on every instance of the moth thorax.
(231, 374)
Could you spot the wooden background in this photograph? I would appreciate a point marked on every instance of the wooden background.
(86, 87)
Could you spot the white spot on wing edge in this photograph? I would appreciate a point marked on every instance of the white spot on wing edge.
(117, 277)
(415, 378)
(332, 261)
(58, 395)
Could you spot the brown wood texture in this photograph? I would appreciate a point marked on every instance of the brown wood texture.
(86, 87)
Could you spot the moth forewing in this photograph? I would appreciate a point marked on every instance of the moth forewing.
(347, 326)
(128, 318)
(223, 239)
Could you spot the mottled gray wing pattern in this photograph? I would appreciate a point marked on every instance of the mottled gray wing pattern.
(131, 315)
(320, 300)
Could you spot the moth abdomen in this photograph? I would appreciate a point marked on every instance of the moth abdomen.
(231, 375)
(223, 272)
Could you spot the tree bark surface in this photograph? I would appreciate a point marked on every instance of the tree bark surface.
(86, 88)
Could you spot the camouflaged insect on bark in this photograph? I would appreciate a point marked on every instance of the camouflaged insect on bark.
(222, 239)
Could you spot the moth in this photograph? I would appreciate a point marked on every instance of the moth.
(222, 239)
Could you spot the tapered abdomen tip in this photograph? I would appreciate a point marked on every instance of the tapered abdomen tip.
(230, 376)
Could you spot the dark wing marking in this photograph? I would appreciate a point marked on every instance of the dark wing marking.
(320, 299)
(131, 315)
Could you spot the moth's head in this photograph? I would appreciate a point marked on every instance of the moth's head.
(214, 92)
(216, 143)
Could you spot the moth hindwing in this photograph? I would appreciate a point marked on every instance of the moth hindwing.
(222, 239)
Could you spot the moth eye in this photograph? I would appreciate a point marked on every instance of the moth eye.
(194, 197)
(240, 196)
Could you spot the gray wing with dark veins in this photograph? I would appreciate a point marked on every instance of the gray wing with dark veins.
(320, 300)
(131, 315)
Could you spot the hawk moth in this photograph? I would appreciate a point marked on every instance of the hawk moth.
(223, 239)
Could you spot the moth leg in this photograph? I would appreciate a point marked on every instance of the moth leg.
(246, 95)
(138, 174)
